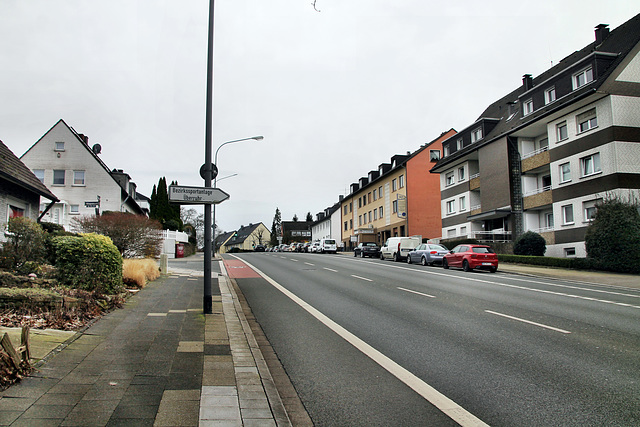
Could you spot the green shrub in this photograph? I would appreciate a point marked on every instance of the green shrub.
(89, 262)
(530, 243)
(51, 227)
(612, 237)
(25, 243)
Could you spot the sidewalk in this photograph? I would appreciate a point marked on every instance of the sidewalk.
(156, 362)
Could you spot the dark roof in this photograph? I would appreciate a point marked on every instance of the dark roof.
(617, 45)
(243, 234)
(12, 169)
(221, 238)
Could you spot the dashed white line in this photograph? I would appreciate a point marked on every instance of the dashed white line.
(361, 278)
(330, 269)
(416, 292)
(528, 321)
(308, 263)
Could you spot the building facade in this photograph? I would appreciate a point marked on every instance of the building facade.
(64, 162)
(543, 156)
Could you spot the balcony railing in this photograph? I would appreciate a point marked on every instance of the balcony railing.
(533, 153)
(536, 191)
(475, 175)
(492, 236)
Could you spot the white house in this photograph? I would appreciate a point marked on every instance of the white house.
(65, 163)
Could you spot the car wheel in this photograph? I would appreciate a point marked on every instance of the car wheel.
(423, 261)
(493, 269)
(445, 264)
(355, 253)
(465, 265)
(381, 256)
(397, 257)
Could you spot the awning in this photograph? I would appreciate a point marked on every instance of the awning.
(494, 214)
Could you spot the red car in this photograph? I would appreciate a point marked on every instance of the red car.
(471, 257)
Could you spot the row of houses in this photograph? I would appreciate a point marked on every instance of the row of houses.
(539, 158)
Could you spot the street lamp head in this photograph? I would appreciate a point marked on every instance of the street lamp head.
(258, 138)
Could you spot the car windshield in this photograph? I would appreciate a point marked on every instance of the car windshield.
(438, 248)
(369, 244)
(482, 250)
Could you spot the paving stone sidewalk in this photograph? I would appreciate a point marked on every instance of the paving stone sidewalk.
(156, 362)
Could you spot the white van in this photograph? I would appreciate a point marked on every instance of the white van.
(328, 246)
(397, 248)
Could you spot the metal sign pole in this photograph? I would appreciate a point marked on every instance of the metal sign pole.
(207, 301)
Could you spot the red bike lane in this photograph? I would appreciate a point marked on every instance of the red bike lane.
(237, 269)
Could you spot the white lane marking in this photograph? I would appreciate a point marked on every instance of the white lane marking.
(416, 292)
(439, 400)
(293, 259)
(330, 269)
(528, 321)
(308, 263)
(602, 291)
(542, 291)
(361, 278)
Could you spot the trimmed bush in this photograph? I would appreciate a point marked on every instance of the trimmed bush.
(89, 262)
(25, 245)
(612, 237)
(530, 243)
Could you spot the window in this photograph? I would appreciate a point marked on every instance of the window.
(375, 195)
(59, 146)
(345, 209)
(381, 212)
(434, 155)
(582, 78)
(544, 144)
(561, 131)
(463, 204)
(359, 220)
(567, 214)
(351, 224)
(401, 181)
(463, 231)
(548, 220)
(359, 202)
(589, 210)
(369, 197)
(565, 172)
(587, 120)
(449, 179)
(527, 107)
(78, 177)
(445, 149)
(451, 207)
(380, 191)
(369, 216)
(350, 207)
(569, 252)
(550, 95)
(39, 173)
(394, 184)
(461, 175)
(345, 225)
(364, 200)
(546, 181)
(58, 177)
(74, 209)
(375, 214)
(15, 212)
(394, 207)
(476, 135)
(590, 165)
(459, 144)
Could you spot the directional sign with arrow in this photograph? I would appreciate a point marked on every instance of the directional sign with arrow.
(196, 195)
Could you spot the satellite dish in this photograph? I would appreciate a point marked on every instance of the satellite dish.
(97, 148)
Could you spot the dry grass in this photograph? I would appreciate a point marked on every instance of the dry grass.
(137, 272)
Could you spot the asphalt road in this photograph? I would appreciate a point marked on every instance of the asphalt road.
(370, 342)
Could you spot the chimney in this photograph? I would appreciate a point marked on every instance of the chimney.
(84, 138)
(602, 32)
(527, 82)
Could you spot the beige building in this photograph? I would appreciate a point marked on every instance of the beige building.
(247, 238)
(376, 208)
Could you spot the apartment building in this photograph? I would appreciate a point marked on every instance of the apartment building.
(541, 157)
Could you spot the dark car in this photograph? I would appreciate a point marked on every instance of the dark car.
(471, 257)
(259, 248)
(367, 249)
(427, 254)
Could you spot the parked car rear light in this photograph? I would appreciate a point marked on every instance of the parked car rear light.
(474, 256)
(433, 252)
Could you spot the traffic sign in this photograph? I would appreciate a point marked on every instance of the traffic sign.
(196, 195)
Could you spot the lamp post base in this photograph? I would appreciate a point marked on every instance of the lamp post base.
(207, 304)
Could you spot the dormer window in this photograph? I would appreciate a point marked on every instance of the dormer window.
(445, 149)
(582, 78)
(550, 95)
(527, 107)
(459, 144)
(476, 135)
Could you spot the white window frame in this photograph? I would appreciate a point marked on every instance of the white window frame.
(582, 78)
(461, 174)
(381, 210)
(562, 173)
(586, 121)
(394, 206)
(401, 181)
(527, 107)
(445, 149)
(567, 215)
(550, 95)
(463, 204)
(76, 175)
(434, 155)
(590, 165)
(559, 136)
(459, 144)
(589, 209)
(375, 194)
(449, 179)
(476, 135)
(394, 184)
(74, 209)
(39, 173)
(59, 146)
(450, 207)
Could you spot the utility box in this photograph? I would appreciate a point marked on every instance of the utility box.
(179, 250)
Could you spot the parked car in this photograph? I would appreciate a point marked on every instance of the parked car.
(397, 248)
(328, 246)
(367, 249)
(305, 247)
(427, 254)
(471, 257)
(259, 248)
(314, 247)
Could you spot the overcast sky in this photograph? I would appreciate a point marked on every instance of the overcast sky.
(335, 93)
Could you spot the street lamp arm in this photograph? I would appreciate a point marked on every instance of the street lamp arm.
(256, 138)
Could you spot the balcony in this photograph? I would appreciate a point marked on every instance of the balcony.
(535, 159)
(498, 235)
(474, 181)
(537, 198)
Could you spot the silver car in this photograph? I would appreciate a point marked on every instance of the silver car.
(427, 254)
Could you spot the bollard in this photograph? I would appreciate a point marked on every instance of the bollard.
(164, 264)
